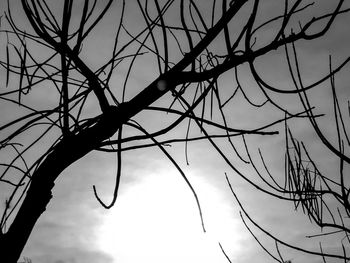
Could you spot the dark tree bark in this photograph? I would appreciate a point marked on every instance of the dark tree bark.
(199, 67)
(66, 152)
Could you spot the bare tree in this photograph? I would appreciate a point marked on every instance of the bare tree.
(322, 196)
(192, 49)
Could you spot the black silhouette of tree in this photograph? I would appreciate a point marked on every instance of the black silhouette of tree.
(193, 49)
(322, 196)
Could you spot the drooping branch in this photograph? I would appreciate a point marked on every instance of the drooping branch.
(194, 71)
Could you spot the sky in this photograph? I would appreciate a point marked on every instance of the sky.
(155, 218)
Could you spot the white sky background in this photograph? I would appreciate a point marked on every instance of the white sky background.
(155, 218)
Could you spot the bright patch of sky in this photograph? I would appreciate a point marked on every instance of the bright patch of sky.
(156, 218)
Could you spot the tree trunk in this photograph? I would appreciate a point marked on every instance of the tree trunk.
(39, 194)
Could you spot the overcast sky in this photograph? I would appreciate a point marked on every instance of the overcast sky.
(155, 218)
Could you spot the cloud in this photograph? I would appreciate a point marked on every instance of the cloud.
(71, 255)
